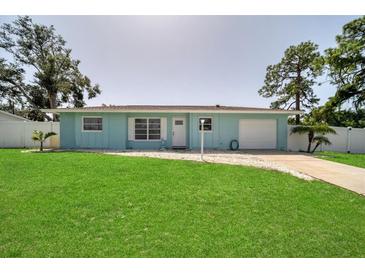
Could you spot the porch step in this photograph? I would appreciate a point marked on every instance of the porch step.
(179, 147)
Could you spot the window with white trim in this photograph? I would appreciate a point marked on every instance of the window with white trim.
(147, 128)
(92, 123)
(207, 124)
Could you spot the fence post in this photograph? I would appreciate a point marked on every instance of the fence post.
(348, 145)
(52, 139)
(202, 140)
(24, 133)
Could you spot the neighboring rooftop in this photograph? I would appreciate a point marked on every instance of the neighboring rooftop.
(6, 116)
(171, 108)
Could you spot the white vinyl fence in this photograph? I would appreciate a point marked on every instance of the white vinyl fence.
(346, 140)
(19, 133)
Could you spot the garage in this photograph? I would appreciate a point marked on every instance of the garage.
(257, 134)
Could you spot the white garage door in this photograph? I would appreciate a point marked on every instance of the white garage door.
(257, 134)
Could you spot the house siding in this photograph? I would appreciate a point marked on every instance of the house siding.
(226, 128)
(115, 130)
(67, 130)
(158, 144)
(112, 136)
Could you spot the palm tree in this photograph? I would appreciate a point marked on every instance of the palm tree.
(318, 140)
(39, 136)
(312, 130)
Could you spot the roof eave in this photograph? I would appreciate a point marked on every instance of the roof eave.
(15, 116)
(75, 110)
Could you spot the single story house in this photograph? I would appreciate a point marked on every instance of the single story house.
(156, 127)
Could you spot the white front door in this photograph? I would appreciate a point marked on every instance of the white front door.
(178, 132)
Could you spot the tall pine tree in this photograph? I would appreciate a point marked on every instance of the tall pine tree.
(291, 80)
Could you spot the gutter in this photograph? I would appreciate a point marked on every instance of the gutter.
(84, 110)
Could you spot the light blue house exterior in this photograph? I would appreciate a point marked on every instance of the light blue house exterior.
(159, 127)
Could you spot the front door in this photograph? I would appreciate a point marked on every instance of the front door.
(178, 132)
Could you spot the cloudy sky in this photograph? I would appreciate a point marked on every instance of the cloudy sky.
(187, 59)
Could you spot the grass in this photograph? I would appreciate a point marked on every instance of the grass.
(70, 204)
(357, 160)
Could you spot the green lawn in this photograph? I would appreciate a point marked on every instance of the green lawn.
(66, 204)
(344, 158)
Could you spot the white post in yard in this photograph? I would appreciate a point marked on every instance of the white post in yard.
(348, 145)
(202, 139)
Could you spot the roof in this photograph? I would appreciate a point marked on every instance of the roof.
(11, 116)
(173, 108)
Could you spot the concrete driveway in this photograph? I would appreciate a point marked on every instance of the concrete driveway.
(349, 177)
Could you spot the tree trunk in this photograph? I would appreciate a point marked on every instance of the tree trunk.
(310, 140)
(53, 103)
(314, 149)
(41, 147)
(309, 147)
(297, 94)
(12, 107)
(297, 107)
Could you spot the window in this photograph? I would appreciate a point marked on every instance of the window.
(147, 128)
(207, 124)
(154, 129)
(140, 129)
(92, 123)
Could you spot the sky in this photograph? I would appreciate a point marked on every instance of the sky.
(187, 60)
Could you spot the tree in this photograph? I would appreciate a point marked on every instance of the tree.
(318, 140)
(346, 65)
(334, 117)
(312, 131)
(11, 86)
(292, 79)
(39, 136)
(56, 76)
